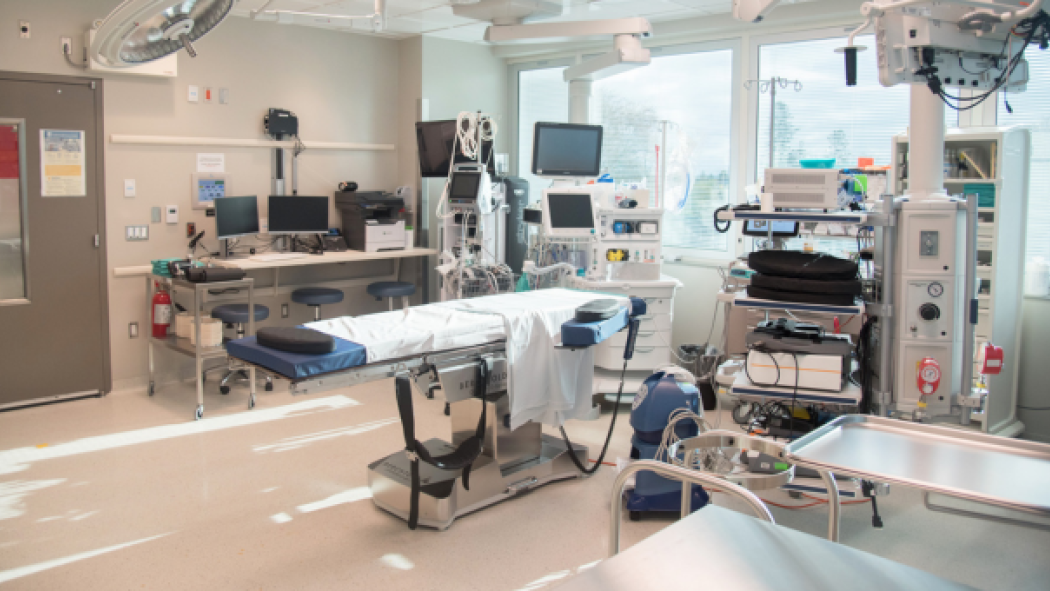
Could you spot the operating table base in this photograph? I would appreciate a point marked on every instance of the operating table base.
(443, 497)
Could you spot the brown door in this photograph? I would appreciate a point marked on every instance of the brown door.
(54, 334)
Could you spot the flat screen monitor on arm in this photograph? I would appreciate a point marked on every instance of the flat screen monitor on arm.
(236, 216)
(563, 150)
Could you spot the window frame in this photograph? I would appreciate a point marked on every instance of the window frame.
(735, 45)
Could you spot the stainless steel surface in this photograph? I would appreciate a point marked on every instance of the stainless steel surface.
(834, 507)
(63, 329)
(736, 442)
(980, 515)
(1007, 473)
(884, 325)
(675, 473)
(444, 498)
(719, 549)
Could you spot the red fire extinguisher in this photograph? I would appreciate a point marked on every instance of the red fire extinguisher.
(161, 313)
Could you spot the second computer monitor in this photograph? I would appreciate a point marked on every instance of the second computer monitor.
(563, 150)
(298, 215)
(568, 214)
(236, 216)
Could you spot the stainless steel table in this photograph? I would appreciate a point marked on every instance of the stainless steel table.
(1007, 473)
(715, 548)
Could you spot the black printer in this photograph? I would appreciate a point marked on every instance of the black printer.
(371, 220)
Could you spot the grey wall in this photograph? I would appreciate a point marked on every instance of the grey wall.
(1034, 384)
(343, 87)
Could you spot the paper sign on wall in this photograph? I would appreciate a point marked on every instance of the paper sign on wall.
(211, 162)
(63, 172)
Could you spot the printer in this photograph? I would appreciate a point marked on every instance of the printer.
(788, 354)
(371, 221)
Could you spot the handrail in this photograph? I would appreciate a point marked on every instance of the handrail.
(682, 475)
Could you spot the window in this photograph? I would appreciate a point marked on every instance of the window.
(543, 95)
(694, 91)
(826, 118)
(13, 286)
(1032, 109)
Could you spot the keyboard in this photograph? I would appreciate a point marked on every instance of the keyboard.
(278, 256)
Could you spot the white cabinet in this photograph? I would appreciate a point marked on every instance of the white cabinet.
(1002, 155)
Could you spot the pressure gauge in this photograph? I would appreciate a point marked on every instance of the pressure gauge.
(935, 289)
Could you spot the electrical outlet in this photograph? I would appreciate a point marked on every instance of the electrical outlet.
(67, 45)
(193, 94)
(129, 187)
(284, 310)
(191, 229)
(133, 330)
(24, 30)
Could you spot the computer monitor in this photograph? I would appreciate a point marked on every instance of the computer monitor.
(236, 216)
(781, 229)
(298, 215)
(568, 214)
(465, 187)
(561, 150)
(434, 140)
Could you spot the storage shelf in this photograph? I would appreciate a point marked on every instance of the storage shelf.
(183, 346)
(742, 300)
(972, 181)
(795, 216)
(749, 392)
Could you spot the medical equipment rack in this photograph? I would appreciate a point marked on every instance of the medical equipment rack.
(197, 351)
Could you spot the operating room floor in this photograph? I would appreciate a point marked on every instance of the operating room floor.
(127, 492)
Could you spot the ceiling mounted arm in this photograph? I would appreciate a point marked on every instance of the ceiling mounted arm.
(377, 17)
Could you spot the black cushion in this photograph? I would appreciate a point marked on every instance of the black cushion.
(843, 287)
(802, 265)
(296, 340)
(238, 313)
(828, 299)
(597, 310)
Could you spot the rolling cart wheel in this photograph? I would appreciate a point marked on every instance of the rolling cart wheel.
(152, 388)
(268, 387)
(742, 413)
(634, 515)
(200, 413)
(224, 390)
(251, 402)
(448, 410)
(430, 393)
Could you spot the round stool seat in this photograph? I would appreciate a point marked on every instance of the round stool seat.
(238, 313)
(316, 296)
(391, 289)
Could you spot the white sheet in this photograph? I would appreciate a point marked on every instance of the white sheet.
(546, 385)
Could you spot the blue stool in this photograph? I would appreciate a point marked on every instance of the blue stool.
(315, 297)
(391, 290)
(237, 315)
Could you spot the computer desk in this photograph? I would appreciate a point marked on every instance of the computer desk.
(250, 264)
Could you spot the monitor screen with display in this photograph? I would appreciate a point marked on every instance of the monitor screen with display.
(298, 215)
(465, 187)
(781, 229)
(209, 190)
(434, 140)
(568, 214)
(236, 216)
(562, 150)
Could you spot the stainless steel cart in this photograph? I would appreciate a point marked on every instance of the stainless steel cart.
(984, 469)
(184, 346)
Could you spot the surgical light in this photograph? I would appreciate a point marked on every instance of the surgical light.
(140, 31)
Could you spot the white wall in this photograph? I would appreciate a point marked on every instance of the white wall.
(1034, 383)
(343, 87)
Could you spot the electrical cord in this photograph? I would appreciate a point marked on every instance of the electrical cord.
(608, 438)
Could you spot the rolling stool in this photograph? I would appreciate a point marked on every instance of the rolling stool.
(236, 315)
(391, 290)
(316, 296)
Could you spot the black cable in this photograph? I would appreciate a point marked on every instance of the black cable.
(718, 228)
(608, 438)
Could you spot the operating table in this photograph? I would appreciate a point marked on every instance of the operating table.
(474, 350)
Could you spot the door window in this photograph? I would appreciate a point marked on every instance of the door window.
(13, 285)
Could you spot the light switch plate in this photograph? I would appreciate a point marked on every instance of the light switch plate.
(129, 187)
(224, 96)
(154, 215)
(136, 233)
(171, 213)
(194, 94)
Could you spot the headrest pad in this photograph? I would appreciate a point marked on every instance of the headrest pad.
(597, 310)
(296, 340)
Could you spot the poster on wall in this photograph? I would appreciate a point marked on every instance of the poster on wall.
(62, 167)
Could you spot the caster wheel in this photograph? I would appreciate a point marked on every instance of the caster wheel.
(430, 394)
(224, 390)
(448, 410)
(742, 413)
(251, 402)
(200, 413)
(268, 387)
(152, 388)
(634, 515)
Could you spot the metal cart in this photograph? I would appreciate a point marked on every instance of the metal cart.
(184, 346)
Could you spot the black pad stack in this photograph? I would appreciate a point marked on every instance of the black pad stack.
(811, 278)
